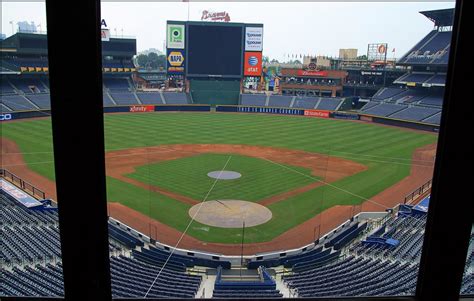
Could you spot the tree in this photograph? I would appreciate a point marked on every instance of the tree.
(151, 61)
(362, 57)
(274, 61)
(265, 59)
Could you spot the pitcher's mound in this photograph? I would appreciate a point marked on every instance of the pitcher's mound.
(230, 213)
(224, 175)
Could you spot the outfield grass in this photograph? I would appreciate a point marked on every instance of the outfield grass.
(188, 176)
(386, 151)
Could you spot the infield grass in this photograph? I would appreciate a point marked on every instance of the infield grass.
(188, 176)
(386, 151)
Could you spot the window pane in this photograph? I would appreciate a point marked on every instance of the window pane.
(30, 253)
(467, 287)
(262, 158)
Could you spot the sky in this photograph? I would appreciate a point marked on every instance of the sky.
(315, 28)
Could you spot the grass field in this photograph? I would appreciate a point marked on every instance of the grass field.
(386, 152)
(188, 176)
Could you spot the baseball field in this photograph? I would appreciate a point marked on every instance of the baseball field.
(298, 168)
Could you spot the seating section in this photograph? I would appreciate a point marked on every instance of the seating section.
(116, 84)
(432, 49)
(386, 93)
(124, 98)
(151, 98)
(17, 103)
(329, 104)
(28, 235)
(415, 113)
(130, 279)
(280, 101)
(435, 100)
(253, 99)
(435, 119)
(414, 78)
(383, 109)
(369, 269)
(43, 101)
(28, 85)
(5, 87)
(305, 102)
(175, 98)
(108, 102)
(4, 108)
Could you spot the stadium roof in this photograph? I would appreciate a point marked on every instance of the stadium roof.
(440, 17)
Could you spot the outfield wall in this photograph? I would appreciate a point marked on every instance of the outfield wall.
(7, 116)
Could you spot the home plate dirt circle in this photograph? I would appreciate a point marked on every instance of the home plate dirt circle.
(230, 213)
(224, 175)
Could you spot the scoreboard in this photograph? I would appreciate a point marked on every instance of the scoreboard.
(214, 50)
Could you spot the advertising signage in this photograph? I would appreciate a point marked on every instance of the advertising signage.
(253, 64)
(175, 62)
(175, 36)
(312, 73)
(253, 38)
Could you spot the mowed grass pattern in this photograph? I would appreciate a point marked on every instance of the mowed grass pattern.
(188, 176)
(386, 151)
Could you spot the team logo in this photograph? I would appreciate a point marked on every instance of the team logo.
(175, 58)
(253, 61)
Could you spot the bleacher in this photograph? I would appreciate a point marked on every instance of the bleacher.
(116, 84)
(253, 99)
(31, 259)
(415, 113)
(175, 98)
(329, 103)
(43, 101)
(151, 98)
(17, 103)
(435, 119)
(28, 85)
(305, 102)
(5, 87)
(279, 101)
(383, 109)
(124, 98)
(432, 49)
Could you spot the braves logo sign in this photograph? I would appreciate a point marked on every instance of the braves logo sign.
(215, 16)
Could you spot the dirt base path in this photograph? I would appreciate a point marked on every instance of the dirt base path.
(12, 160)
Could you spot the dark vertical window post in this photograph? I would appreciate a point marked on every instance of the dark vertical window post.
(451, 207)
(75, 70)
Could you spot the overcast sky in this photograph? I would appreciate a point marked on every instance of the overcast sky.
(296, 28)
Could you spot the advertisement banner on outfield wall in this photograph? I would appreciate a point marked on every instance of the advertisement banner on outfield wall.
(343, 115)
(316, 113)
(175, 36)
(175, 61)
(141, 109)
(282, 111)
(253, 64)
(253, 38)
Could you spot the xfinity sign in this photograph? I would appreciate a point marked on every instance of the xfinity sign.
(253, 38)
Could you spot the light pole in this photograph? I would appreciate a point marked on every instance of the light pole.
(13, 29)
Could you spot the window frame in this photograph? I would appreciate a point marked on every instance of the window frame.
(79, 152)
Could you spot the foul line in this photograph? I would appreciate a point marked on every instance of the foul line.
(187, 227)
(326, 183)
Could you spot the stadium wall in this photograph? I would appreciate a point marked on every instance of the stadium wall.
(240, 109)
